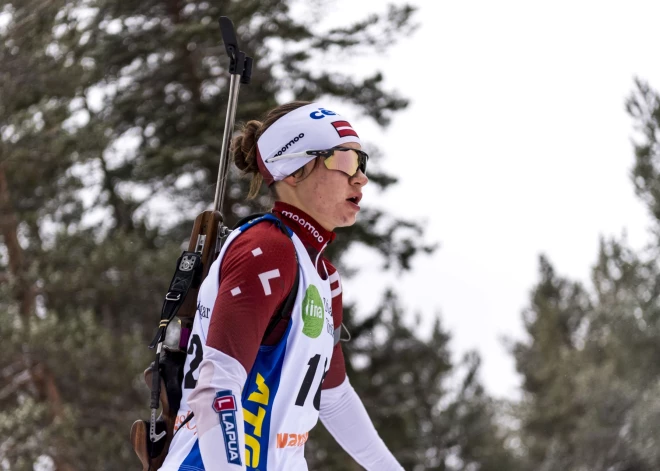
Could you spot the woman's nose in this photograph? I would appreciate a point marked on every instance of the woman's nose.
(359, 178)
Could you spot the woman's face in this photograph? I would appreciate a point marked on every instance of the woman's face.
(331, 196)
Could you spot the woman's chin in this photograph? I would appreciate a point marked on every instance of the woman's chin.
(347, 220)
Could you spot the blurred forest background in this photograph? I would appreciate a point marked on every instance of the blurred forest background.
(111, 119)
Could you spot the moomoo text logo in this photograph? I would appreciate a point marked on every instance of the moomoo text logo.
(306, 224)
(290, 143)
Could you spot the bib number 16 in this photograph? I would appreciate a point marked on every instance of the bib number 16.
(312, 366)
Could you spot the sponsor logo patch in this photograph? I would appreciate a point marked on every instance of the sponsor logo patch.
(321, 113)
(313, 312)
(285, 440)
(255, 415)
(224, 405)
(203, 310)
(180, 419)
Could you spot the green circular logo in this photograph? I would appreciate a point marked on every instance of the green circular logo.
(313, 313)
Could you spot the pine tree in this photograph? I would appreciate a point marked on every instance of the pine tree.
(546, 363)
(591, 376)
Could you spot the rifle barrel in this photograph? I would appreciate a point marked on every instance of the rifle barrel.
(234, 86)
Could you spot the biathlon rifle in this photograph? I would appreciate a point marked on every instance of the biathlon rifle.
(151, 439)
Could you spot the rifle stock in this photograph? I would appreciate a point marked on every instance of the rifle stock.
(203, 240)
(140, 431)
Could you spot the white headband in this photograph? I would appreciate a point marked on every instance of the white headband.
(310, 127)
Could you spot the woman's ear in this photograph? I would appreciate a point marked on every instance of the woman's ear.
(290, 180)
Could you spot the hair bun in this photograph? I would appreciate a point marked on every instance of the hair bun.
(244, 147)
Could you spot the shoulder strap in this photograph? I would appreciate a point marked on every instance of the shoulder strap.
(247, 219)
(284, 312)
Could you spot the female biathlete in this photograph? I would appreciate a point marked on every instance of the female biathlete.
(266, 362)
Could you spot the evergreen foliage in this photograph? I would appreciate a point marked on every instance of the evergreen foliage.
(590, 367)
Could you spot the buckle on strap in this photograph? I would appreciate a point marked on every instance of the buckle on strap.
(187, 275)
(338, 337)
(170, 296)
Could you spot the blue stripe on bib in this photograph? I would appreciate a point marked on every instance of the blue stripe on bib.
(193, 461)
(258, 397)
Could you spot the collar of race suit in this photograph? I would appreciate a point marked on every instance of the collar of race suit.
(310, 232)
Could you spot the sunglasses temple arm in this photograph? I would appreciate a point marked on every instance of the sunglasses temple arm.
(287, 156)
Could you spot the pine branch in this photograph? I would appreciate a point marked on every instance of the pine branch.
(25, 294)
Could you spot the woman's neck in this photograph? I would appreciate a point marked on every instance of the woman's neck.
(310, 232)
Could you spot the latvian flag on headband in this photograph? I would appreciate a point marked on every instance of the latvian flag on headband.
(344, 129)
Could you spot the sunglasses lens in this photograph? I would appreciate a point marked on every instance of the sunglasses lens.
(347, 161)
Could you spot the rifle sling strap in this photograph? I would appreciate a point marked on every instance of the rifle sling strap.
(188, 274)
